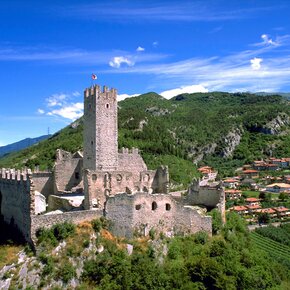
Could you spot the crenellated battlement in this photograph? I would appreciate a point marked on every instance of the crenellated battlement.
(134, 151)
(95, 90)
(15, 174)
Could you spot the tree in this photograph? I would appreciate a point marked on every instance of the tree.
(262, 195)
(283, 196)
(264, 218)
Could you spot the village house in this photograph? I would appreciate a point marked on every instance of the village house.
(250, 173)
(231, 183)
(278, 187)
(233, 194)
(282, 211)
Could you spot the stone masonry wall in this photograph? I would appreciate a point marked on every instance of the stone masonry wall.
(100, 129)
(43, 182)
(67, 171)
(18, 193)
(98, 185)
(212, 197)
(46, 221)
(204, 195)
(131, 160)
(140, 212)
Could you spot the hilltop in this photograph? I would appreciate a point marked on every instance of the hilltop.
(220, 129)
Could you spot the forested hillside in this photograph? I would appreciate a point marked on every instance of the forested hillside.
(220, 129)
(87, 256)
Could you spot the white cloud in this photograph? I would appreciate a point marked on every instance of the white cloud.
(76, 94)
(184, 89)
(155, 43)
(267, 40)
(40, 111)
(56, 100)
(71, 112)
(162, 11)
(139, 49)
(125, 96)
(64, 105)
(117, 61)
(256, 63)
(227, 72)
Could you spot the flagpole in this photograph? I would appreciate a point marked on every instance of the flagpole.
(93, 78)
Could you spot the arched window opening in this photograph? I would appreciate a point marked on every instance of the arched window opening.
(167, 206)
(138, 206)
(154, 205)
(107, 106)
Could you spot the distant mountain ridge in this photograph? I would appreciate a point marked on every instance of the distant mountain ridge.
(22, 144)
(285, 95)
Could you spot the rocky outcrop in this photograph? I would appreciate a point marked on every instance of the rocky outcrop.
(200, 152)
(225, 147)
(230, 142)
(275, 126)
(141, 124)
(155, 111)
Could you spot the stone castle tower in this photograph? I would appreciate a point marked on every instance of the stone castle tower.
(100, 129)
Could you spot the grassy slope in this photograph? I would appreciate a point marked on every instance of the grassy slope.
(185, 124)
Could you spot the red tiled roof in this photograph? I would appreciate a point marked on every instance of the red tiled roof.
(252, 199)
(266, 210)
(254, 206)
(281, 209)
(239, 208)
(250, 171)
(230, 180)
(233, 191)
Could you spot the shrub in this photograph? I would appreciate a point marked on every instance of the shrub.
(152, 233)
(48, 264)
(62, 231)
(97, 225)
(57, 233)
(201, 238)
(66, 272)
(86, 243)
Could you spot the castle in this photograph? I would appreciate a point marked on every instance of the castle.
(102, 181)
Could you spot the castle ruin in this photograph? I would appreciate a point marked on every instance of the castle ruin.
(103, 181)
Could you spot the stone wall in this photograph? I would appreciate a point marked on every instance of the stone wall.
(131, 160)
(48, 220)
(43, 182)
(98, 185)
(100, 129)
(67, 171)
(161, 180)
(210, 196)
(18, 193)
(140, 212)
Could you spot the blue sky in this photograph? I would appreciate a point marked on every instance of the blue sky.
(49, 49)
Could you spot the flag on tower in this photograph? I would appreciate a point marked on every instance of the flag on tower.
(94, 77)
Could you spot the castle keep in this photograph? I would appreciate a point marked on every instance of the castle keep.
(103, 181)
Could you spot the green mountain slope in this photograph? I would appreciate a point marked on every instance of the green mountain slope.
(221, 129)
